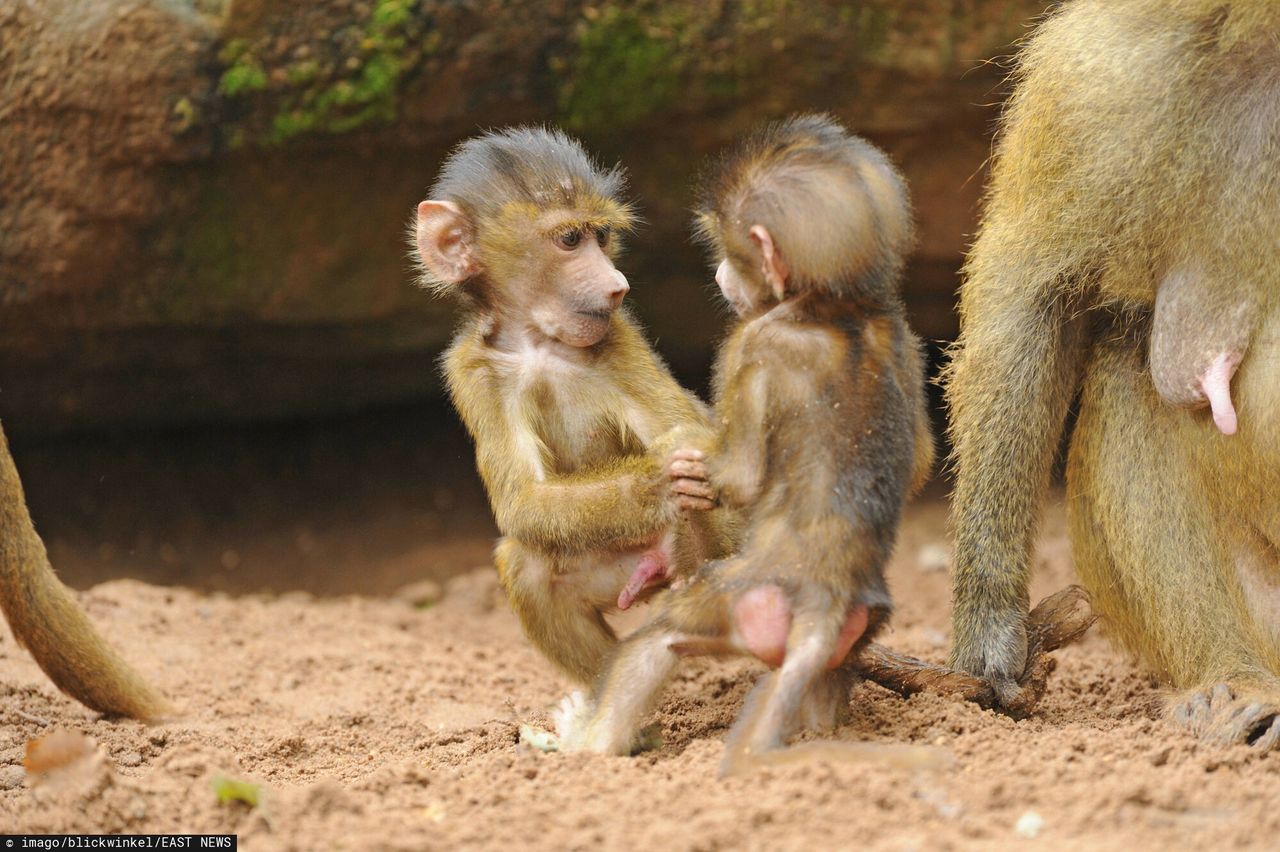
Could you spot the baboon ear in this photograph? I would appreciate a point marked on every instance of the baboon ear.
(446, 242)
(775, 269)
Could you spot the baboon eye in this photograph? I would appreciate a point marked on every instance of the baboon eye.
(602, 236)
(569, 239)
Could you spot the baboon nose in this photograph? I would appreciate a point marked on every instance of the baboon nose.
(619, 289)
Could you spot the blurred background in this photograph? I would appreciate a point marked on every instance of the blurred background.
(215, 370)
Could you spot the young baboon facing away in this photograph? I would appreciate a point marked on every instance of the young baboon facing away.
(1129, 254)
(572, 414)
(822, 436)
(46, 620)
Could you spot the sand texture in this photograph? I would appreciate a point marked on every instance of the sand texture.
(373, 724)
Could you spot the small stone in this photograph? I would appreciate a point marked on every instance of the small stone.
(129, 758)
(934, 557)
(1029, 825)
(11, 777)
(1160, 757)
(421, 594)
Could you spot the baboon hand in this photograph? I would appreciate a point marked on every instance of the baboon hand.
(1012, 680)
(995, 652)
(690, 487)
(1059, 620)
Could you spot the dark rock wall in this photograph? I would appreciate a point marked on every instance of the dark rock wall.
(202, 204)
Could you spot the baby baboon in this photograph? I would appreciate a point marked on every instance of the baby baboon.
(822, 437)
(572, 414)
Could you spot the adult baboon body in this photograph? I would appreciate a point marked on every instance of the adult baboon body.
(1130, 254)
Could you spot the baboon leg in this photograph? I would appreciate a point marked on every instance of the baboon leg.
(558, 619)
(1159, 563)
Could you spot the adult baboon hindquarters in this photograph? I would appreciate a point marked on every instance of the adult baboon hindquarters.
(1130, 253)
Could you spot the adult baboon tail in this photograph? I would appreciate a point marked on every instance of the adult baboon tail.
(47, 621)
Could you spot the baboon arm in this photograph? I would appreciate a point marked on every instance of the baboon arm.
(613, 506)
(738, 466)
(617, 504)
(1010, 383)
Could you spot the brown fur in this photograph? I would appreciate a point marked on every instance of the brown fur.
(576, 495)
(855, 227)
(1137, 156)
(822, 437)
(47, 621)
(570, 440)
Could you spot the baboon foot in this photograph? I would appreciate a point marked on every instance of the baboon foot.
(575, 731)
(572, 721)
(1216, 715)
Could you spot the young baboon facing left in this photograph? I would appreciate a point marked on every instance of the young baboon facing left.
(822, 437)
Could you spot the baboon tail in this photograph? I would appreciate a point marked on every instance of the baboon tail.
(47, 621)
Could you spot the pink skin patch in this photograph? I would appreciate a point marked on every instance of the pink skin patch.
(1216, 385)
(651, 570)
(855, 624)
(763, 620)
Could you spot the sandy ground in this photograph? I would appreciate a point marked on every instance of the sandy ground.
(373, 724)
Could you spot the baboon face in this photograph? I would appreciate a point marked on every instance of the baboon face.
(571, 283)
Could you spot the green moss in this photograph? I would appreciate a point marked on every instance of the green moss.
(319, 95)
(370, 95)
(391, 14)
(185, 115)
(232, 51)
(286, 125)
(631, 61)
(302, 73)
(244, 73)
(624, 70)
(243, 77)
